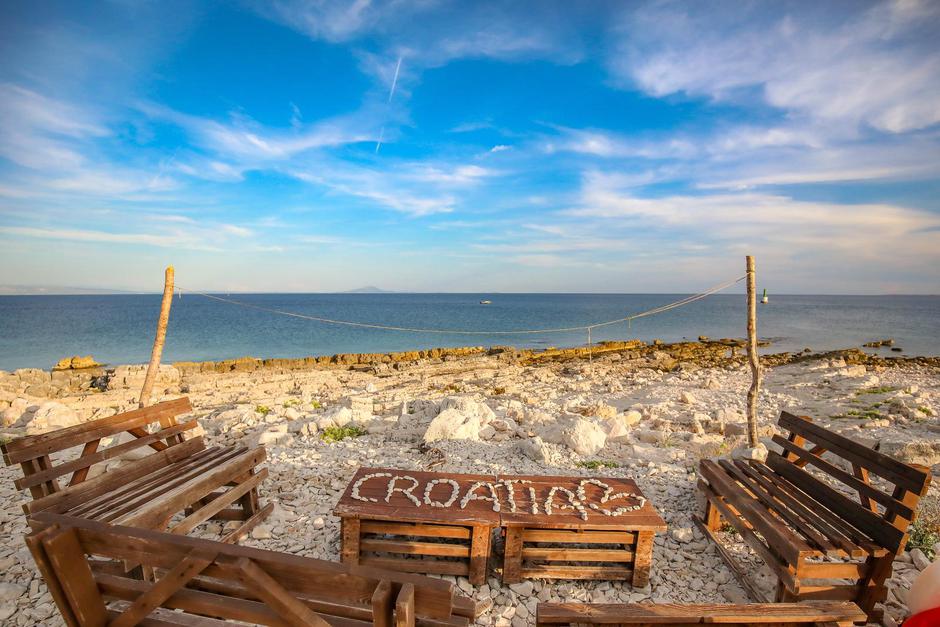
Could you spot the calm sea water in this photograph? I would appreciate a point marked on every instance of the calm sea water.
(36, 331)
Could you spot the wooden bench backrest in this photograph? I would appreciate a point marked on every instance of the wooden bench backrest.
(155, 427)
(883, 515)
(220, 580)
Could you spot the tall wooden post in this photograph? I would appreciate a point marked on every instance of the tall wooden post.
(752, 355)
(157, 352)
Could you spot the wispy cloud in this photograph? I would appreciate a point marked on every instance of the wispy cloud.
(880, 67)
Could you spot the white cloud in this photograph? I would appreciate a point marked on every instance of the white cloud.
(880, 67)
(864, 239)
(40, 132)
(85, 235)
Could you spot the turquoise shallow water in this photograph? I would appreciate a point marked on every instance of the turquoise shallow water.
(36, 331)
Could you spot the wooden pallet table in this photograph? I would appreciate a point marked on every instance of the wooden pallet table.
(389, 520)
(441, 523)
(547, 536)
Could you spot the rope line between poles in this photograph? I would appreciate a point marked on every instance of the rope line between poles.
(587, 327)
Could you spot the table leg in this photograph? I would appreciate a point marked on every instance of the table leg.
(512, 561)
(642, 558)
(349, 549)
(479, 552)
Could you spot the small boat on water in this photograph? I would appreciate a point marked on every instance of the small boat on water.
(486, 302)
(764, 300)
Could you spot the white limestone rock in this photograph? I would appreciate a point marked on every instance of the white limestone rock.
(51, 415)
(758, 452)
(451, 424)
(584, 437)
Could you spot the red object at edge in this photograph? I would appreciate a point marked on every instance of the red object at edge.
(930, 618)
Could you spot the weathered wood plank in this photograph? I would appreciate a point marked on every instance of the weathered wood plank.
(899, 473)
(414, 548)
(671, 613)
(32, 446)
(67, 559)
(405, 606)
(89, 459)
(163, 589)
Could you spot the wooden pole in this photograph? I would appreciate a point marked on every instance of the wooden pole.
(157, 352)
(752, 355)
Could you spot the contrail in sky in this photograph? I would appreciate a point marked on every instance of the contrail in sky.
(391, 92)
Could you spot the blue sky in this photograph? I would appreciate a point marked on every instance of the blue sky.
(442, 146)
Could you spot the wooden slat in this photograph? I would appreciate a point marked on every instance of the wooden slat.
(409, 529)
(910, 477)
(742, 526)
(107, 482)
(89, 459)
(48, 573)
(228, 599)
(67, 559)
(771, 485)
(736, 568)
(666, 613)
(577, 555)
(479, 554)
(862, 519)
(125, 499)
(767, 499)
(81, 474)
(437, 567)
(140, 433)
(188, 492)
(166, 618)
(847, 530)
(298, 574)
(382, 604)
(152, 506)
(405, 606)
(207, 511)
(833, 570)
(274, 595)
(565, 536)
(163, 589)
(195, 601)
(248, 525)
(551, 571)
(31, 446)
(415, 548)
(865, 489)
(790, 546)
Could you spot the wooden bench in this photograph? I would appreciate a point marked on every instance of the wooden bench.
(809, 614)
(825, 527)
(172, 483)
(198, 582)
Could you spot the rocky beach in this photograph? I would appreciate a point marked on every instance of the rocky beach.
(625, 409)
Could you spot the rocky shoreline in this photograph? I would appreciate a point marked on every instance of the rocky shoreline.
(79, 374)
(646, 411)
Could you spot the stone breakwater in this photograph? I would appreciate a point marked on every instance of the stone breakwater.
(649, 412)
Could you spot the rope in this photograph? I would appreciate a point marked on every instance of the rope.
(365, 325)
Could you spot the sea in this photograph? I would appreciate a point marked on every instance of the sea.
(37, 331)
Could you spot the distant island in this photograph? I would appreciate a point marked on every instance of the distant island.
(369, 289)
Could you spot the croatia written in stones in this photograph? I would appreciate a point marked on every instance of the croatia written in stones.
(575, 495)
